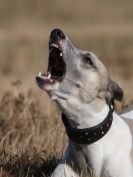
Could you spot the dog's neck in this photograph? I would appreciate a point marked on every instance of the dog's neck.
(89, 114)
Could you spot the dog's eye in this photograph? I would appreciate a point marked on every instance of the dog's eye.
(88, 59)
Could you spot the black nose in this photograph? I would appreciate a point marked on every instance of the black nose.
(57, 34)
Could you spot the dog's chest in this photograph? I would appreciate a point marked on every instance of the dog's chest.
(87, 157)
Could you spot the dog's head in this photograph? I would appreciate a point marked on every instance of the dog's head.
(74, 75)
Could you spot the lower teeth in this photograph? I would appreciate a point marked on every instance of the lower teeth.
(49, 76)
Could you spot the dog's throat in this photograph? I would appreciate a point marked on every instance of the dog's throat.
(92, 134)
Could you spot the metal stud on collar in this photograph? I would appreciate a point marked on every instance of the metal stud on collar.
(112, 105)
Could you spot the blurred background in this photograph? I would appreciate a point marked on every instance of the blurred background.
(104, 27)
(27, 116)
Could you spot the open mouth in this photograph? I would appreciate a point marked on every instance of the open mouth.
(56, 66)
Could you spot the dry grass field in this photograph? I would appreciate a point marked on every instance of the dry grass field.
(32, 137)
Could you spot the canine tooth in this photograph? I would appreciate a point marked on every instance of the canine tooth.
(49, 76)
(39, 74)
(61, 54)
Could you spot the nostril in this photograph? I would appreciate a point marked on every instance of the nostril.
(57, 33)
(60, 34)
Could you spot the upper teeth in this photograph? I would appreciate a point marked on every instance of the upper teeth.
(54, 45)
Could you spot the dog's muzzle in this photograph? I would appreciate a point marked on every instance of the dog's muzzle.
(56, 66)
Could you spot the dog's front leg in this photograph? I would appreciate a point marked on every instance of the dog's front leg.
(64, 170)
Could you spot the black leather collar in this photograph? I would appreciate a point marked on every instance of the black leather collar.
(89, 135)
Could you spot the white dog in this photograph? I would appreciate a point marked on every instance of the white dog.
(99, 140)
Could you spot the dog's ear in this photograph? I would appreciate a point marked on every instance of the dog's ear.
(114, 91)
